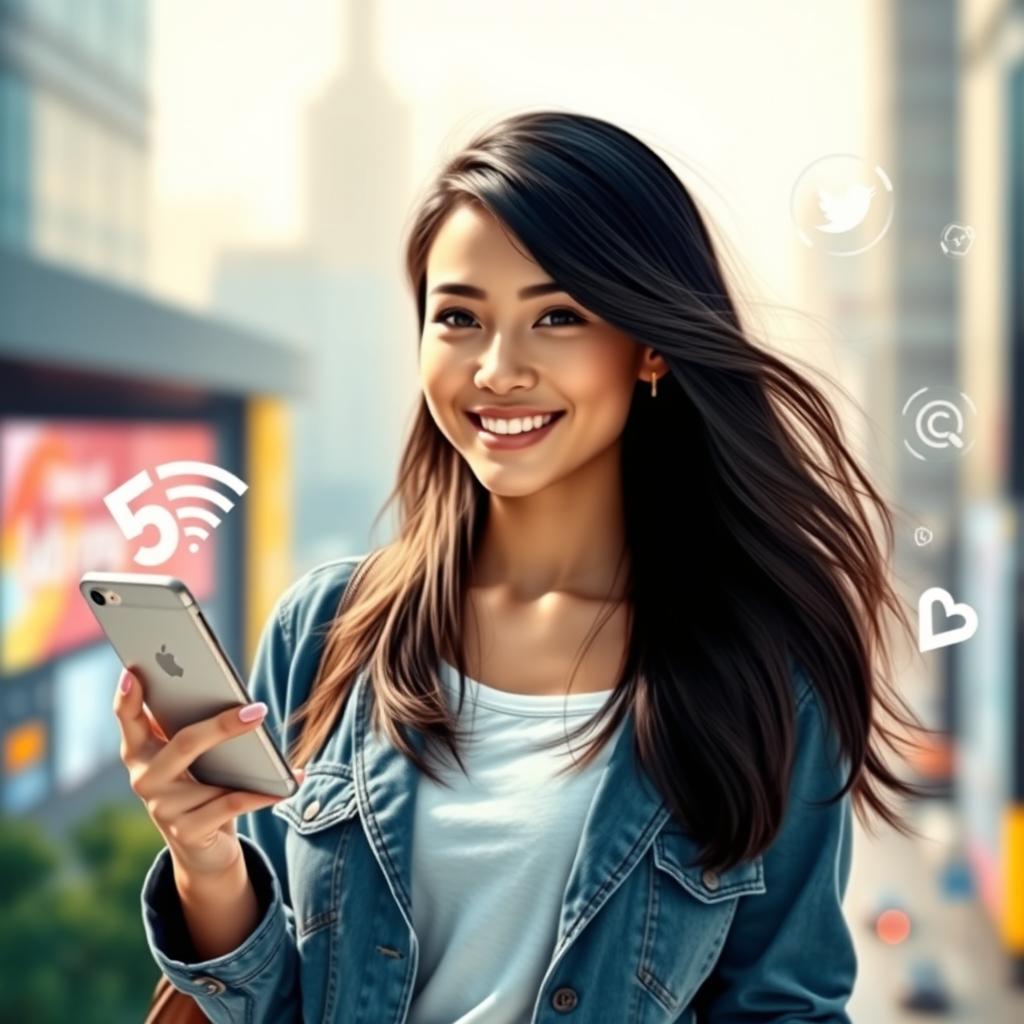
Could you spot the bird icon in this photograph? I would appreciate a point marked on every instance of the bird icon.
(844, 212)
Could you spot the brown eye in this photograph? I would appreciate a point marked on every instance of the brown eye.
(442, 317)
(560, 312)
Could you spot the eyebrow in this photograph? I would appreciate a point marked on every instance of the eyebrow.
(472, 292)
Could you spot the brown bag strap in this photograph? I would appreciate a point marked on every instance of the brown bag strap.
(172, 1006)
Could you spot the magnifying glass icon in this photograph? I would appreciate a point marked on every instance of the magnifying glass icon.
(928, 429)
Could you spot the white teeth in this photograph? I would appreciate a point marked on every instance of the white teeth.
(517, 426)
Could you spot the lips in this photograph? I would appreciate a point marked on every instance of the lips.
(478, 422)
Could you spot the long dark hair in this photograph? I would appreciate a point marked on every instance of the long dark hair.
(751, 550)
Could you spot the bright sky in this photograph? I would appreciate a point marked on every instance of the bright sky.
(742, 92)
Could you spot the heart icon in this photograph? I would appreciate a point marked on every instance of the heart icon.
(928, 639)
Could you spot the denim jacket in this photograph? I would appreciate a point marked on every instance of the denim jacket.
(644, 935)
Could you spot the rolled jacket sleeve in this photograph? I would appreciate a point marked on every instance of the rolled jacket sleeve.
(259, 980)
(254, 982)
(789, 955)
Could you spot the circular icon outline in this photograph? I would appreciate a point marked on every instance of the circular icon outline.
(961, 447)
(886, 183)
(954, 254)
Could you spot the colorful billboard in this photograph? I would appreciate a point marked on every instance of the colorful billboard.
(55, 524)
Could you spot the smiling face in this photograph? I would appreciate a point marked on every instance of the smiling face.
(513, 338)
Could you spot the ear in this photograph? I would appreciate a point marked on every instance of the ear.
(651, 362)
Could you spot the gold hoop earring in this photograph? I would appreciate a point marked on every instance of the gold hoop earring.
(654, 386)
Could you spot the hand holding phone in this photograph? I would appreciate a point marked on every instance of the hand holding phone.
(163, 639)
(193, 762)
(196, 820)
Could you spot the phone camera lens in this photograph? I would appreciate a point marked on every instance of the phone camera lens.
(97, 597)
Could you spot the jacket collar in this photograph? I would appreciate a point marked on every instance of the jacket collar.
(625, 815)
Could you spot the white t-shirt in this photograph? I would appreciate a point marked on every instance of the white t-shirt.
(491, 855)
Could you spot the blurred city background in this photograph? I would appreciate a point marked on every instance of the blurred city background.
(202, 207)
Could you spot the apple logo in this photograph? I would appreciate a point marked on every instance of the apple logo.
(165, 659)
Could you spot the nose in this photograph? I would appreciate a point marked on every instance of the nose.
(502, 366)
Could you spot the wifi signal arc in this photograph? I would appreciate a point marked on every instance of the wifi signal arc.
(182, 491)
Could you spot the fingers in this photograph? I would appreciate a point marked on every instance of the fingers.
(162, 764)
(191, 795)
(154, 725)
(172, 760)
(136, 732)
(179, 798)
(204, 820)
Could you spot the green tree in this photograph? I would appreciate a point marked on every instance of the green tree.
(72, 945)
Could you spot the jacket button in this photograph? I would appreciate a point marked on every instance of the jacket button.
(312, 810)
(564, 1000)
(211, 986)
(710, 879)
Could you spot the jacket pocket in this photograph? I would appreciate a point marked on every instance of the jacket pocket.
(323, 819)
(689, 911)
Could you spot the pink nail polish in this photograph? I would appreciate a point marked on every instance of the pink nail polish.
(126, 683)
(252, 711)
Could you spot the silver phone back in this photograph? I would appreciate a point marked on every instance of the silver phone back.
(161, 637)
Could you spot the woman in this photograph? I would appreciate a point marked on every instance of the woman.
(622, 522)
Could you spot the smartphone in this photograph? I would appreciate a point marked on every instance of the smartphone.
(158, 631)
